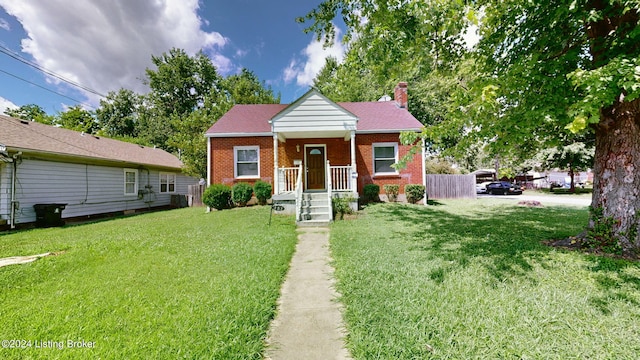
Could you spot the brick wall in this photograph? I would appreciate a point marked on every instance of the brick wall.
(338, 153)
(412, 174)
(222, 159)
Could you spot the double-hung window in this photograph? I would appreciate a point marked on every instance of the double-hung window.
(385, 155)
(167, 183)
(130, 182)
(246, 161)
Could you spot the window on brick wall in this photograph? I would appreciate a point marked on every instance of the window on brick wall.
(246, 161)
(385, 155)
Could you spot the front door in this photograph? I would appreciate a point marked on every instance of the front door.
(315, 164)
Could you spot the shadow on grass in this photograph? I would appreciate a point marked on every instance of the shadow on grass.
(617, 277)
(506, 239)
(508, 242)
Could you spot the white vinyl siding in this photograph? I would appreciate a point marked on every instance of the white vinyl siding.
(385, 155)
(86, 189)
(314, 113)
(167, 183)
(246, 162)
(131, 182)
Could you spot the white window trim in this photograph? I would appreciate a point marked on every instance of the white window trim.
(373, 156)
(235, 161)
(175, 182)
(135, 185)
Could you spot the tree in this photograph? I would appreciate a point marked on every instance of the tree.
(246, 88)
(179, 85)
(574, 157)
(117, 115)
(31, 112)
(188, 136)
(180, 82)
(78, 119)
(542, 67)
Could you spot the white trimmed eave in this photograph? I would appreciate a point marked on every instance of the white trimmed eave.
(227, 135)
(386, 131)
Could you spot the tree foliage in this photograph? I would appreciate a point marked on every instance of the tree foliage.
(539, 70)
(117, 115)
(78, 119)
(574, 157)
(31, 112)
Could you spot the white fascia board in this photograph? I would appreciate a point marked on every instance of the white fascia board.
(218, 135)
(389, 131)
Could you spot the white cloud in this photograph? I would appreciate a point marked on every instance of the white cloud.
(314, 57)
(106, 45)
(6, 104)
(4, 24)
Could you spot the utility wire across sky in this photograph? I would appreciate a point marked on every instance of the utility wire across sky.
(12, 54)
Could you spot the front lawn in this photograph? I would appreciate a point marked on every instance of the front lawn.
(165, 285)
(472, 280)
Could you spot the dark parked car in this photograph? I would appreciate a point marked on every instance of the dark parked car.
(503, 188)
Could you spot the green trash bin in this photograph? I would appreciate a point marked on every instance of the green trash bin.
(49, 215)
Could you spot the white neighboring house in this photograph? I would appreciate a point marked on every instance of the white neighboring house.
(43, 164)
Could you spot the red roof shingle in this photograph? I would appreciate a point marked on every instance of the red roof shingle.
(381, 116)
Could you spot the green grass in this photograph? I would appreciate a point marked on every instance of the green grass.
(461, 280)
(165, 285)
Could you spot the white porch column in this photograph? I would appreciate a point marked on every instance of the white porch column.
(354, 169)
(276, 181)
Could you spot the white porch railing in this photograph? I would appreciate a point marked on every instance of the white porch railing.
(288, 178)
(340, 178)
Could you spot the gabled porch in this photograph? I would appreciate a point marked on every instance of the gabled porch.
(308, 137)
(314, 206)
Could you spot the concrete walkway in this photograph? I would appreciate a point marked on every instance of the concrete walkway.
(309, 321)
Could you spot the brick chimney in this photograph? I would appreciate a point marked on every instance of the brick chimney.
(400, 95)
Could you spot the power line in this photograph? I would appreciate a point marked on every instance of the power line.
(18, 57)
(47, 89)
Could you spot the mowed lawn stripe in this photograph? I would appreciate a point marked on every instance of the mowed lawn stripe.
(473, 280)
(171, 284)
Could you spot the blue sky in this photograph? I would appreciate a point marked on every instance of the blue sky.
(106, 45)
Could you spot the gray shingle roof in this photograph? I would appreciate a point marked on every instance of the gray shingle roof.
(31, 136)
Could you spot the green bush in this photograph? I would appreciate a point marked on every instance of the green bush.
(371, 193)
(217, 196)
(392, 191)
(341, 206)
(241, 193)
(263, 191)
(414, 192)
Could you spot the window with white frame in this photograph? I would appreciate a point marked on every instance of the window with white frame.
(385, 155)
(130, 182)
(167, 183)
(246, 161)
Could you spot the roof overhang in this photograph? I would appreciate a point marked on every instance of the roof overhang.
(388, 131)
(228, 135)
(320, 134)
(79, 159)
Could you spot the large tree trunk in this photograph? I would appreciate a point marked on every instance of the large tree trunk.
(616, 186)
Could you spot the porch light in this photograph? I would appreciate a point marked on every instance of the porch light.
(298, 147)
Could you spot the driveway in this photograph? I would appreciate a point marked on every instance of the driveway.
(572, 200)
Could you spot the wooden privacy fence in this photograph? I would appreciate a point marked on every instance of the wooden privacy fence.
(451, 186)
(194, 197)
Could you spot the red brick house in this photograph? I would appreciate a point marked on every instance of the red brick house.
(314, 147)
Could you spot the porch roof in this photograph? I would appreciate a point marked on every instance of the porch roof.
(373, 117)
